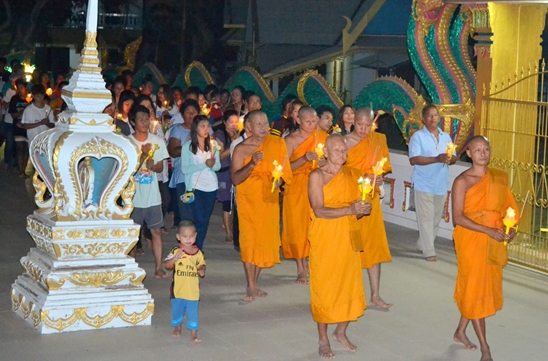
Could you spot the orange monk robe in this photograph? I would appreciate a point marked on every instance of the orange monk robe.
(363, 156)
(296, 206)
(258, 207)
(478, 291)
(336, 283)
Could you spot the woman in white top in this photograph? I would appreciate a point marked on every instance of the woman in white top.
(200, 159)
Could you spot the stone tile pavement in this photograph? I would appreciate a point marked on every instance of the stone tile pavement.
(419, 326)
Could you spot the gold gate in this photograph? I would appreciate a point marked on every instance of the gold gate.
(515, 120)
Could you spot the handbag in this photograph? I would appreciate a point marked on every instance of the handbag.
(188, 197)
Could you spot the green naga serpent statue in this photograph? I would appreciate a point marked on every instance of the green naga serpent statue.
(437, 40)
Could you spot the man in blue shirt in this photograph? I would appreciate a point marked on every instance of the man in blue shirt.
(428, 154)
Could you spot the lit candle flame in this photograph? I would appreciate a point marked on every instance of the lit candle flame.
(337, 129)
(319, 150)
(49, 92)
(277, 173)
(205, 110)
(378, 170)
(150, 155)
(241, 124)
(509, 220)
(450, 149)
(365, 186)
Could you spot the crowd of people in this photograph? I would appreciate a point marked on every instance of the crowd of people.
(320, 169)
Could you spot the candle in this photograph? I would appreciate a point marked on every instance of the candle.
(277, 173)
(337, 129)
(509, 220)
(364, 185)
(29, 98)
(374, 125)
(165, 104)
(49, 92)
(241, 124)
(154, 125)
(378, 170)
(205, 110)
(450, 149)
(119, 116)
(319, 152)
(150, 155)
(212, 148)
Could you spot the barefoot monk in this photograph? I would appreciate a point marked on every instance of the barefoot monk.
(257, 196)
(336, 283)
(481, 197)
(301, 149)
(366, 148)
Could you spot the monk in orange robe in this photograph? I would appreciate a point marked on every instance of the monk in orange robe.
(257, 196)
(336, 283)
(366, 148)
(481, 196)
(301, 145)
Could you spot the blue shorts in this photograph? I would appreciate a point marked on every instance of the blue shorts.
(180, 307)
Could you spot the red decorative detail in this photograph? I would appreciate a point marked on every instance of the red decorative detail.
(392, 182)
(446, 217)
(406, 185)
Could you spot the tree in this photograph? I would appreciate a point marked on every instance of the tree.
(177, 32)
(23, 21)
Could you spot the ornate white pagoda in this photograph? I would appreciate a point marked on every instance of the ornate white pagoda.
(79, 276)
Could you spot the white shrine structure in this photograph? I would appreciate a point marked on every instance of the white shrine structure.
(79, 276)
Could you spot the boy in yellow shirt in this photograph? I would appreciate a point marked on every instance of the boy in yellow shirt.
(188, 262)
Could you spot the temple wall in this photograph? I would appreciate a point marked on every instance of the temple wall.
(401, 172)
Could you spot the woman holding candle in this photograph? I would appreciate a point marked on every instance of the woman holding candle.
(117, 88)
(164, 104)
(345, 119)
(237, 100)
(178, 135)
(200, 159)
(124, 106)
(293, 120)
(225, 136)
(481, 197)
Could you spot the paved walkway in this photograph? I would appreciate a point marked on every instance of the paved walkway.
(419, 327)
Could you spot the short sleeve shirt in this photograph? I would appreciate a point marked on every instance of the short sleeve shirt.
(178, 132)
(147, 193)
(186, 284)
(431, 178)
(33, 115)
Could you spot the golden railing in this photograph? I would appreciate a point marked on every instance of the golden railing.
(515, 120)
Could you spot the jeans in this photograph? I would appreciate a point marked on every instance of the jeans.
(9, 150)
(235, 225)
(185, 210)
(202, 207)
(174, 203)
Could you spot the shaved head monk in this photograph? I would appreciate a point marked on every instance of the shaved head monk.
(336, 283)
(481, 196)
(365, 149)
(258, 199)
(301, 145)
